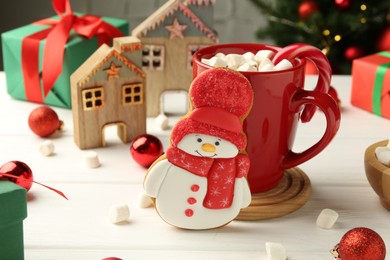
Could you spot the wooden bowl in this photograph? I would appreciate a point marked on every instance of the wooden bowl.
(378, 174)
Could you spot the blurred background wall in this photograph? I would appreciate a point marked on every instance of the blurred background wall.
(235, 20)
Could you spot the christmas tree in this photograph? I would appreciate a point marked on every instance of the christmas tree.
(342, 29)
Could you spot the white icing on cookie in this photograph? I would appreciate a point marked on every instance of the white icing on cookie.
(180, 194)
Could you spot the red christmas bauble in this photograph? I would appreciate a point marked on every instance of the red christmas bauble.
(343, 4)
(44, 121)
(361, 243)
(145, 149)
(18, 173)
(353, 52)
(306, 9)
(384, 40)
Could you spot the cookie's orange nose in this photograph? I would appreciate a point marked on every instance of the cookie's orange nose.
(209, 148)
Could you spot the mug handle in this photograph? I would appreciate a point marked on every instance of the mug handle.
(303, 50)
(332, 114)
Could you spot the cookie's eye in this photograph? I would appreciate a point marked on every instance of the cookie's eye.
(216, 143)
(199, 140)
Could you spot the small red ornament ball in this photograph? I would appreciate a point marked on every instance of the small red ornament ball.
(353, 52)
(18, 173)
(44, 121)
(306, 9)
(384, 40)
(145, 149)
(361, 244)
(343, 4)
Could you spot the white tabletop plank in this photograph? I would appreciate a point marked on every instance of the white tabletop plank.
(79, 228)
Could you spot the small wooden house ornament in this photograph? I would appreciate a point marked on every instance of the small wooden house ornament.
(109, 89)
(170, 36)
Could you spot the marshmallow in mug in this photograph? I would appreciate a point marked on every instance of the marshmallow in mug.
(261, 61)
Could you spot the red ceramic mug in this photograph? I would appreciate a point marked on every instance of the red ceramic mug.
(279, 99)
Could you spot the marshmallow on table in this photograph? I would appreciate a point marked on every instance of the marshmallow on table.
(46, 148)
(119, 213)
(327, 218)
(275, 251)
(144, 201)
(162, 121)
(91, 159)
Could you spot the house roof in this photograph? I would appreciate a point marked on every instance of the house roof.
(168, 9)
(200, 2)
(95, 62)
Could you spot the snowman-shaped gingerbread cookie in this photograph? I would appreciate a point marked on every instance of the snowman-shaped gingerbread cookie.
(200, 182)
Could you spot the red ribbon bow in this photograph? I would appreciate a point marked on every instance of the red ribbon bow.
(56, 37)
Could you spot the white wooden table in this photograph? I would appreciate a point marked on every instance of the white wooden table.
(79, 228)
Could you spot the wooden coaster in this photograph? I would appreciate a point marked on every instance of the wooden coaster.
(290, 194)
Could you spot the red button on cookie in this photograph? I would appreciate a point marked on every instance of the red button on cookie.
(189, 212)
(195, 187)
(191, 200)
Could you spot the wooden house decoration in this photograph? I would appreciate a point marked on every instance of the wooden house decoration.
(109, 89)
(170, 36)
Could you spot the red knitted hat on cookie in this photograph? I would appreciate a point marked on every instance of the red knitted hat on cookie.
(220, 97)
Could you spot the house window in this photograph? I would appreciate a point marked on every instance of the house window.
(132, 94)
(153, 57)
(93, 98)
(174, 102)
(191, 51)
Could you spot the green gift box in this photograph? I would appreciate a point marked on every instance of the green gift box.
(13, 205)
(77, 49)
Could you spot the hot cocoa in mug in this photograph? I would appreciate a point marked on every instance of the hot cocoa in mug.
(280, 101)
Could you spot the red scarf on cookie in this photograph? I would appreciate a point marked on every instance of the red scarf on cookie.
(220, 173)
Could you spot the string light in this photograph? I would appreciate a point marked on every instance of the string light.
(337, 38)
(326, 32)
(363, 7)
(326, 50)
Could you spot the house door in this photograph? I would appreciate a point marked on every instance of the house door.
(174, 102)
(111, 132)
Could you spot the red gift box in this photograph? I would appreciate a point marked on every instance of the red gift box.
(371, 83)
